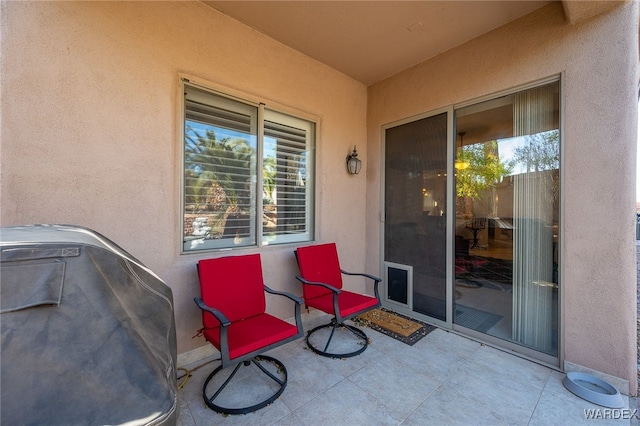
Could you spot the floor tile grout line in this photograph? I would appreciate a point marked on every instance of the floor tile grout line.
(462, 363)
(544, 388)
(422, 402)
(374, 396)
(316, 396)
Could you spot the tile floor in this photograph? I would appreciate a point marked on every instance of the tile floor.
(444, 379)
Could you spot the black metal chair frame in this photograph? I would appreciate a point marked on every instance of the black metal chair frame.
(246, 360)
(476, 225)
(338, 321)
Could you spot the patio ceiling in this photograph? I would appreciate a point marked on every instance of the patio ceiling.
(372, 40)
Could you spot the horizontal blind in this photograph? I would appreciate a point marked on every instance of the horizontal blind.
(288, 148)
(217, 117)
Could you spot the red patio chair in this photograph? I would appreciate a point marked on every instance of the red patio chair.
(235, 322)
(321, 278)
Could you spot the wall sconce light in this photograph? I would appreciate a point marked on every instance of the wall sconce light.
(353, 163)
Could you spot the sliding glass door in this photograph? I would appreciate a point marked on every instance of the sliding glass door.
(499, 279)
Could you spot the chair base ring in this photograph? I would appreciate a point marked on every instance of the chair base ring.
(355, 330)
(244, 410)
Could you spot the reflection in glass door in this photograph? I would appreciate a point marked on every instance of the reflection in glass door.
(415, 231)
(506, 218)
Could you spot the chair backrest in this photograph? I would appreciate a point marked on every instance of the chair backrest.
(319, 263)
(233, 285)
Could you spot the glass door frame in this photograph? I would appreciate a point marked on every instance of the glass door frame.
(549, 360)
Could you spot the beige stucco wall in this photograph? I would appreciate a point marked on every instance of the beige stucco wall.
(599, 61)
(90, 128)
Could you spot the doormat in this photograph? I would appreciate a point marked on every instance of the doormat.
(400, 327)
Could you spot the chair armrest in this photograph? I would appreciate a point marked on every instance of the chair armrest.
(327, 286)
(336, 292)
(375, 279)
(215, 312)
(296, 312)
(293, 297)
(224, 324)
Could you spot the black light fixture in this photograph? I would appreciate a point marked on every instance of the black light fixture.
(353, 163)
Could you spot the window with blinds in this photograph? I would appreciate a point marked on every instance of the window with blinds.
(225, 204)
(287, 197)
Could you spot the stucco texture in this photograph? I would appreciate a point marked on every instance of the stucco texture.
(91, 129)
(598, 60)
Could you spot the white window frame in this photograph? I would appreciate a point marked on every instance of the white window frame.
(258, 237)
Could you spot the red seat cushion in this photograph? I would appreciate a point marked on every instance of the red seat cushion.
(349, 303)
(251, 334)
